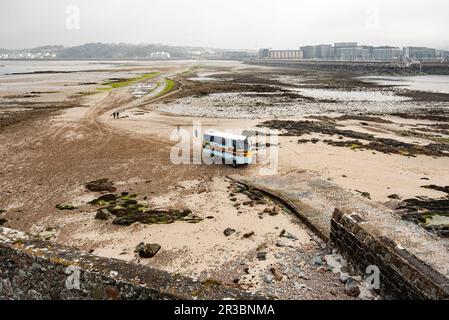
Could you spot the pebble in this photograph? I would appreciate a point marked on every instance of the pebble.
(248, 235)
(352, 288)
(343, 277)
(261, 256)
(317, 261)
(290, 236)
(228, 232)
(268, 278)
(277, 274)
(283, 245)
(299, 286)
(148, 250)
(302, 275)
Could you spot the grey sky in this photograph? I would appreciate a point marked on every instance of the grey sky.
(225, 24)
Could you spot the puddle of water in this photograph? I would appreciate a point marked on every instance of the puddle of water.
(433, 83)
(437, 220)
(139, 90)
(203, 78)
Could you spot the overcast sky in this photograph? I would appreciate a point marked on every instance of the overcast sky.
(248, 24)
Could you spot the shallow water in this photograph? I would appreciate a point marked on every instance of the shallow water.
(433, 83)
(438, 220)
(9, 67)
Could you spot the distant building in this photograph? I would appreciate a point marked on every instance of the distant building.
(345, 44)
(324, 51)
(280, 54)
(235, 55)
(419, 53)
(441, 54)
(386, 53)
(160, 55)
(309, 52)
(285, 54)
(264, 53)
(353, 53)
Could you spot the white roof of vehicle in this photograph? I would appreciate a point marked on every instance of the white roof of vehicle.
(226, 135)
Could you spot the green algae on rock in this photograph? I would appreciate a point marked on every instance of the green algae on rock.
(66, 206)
(127, 210)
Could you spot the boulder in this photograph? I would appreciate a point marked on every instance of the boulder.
(299, 286)
(268, 278)
(248, 235)
(228, 232)
(139, 247)
(275, 211)
(101, 185)
(344, 277)
(272, 211)
(277, 274)
(261, 256)
(365, 194)
(104, 199)
(317, 261)
(149, 250)
(102, 214)
(352, 288)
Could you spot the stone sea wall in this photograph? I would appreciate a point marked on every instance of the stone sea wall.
(34, 269)
(402, 275)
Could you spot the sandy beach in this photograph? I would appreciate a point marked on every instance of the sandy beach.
(374, 139)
